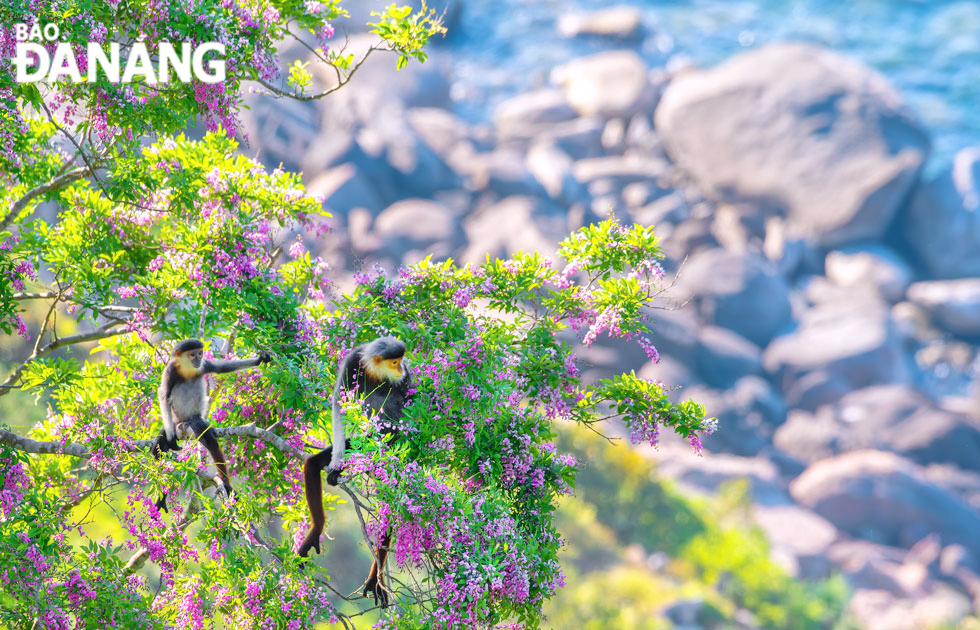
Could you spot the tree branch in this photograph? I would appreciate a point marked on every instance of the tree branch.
(55, 184)
(28, 445)
(101, 333)
(35, 296)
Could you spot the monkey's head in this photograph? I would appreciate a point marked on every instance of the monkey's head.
(382, 359)
(189, 355)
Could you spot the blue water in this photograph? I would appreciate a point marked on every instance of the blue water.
(929, 49)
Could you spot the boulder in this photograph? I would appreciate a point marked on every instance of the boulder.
(837, 347)
(953, 304)
(884, 498)
(799, 536)
(747, 415)
(579, 137)
(942, 222)
(675, 332)
(608, 84)
(705, 475)
(740, 292)
(895, 418)
(799, 130)
(624, 23)
(619, 171)
(511, 225)
(344, 188)
(941, 606)
(869, 266)
(724, 356)
(552, 168)
(417, 224)
(504, 172)
(670, 209)
(547, 105)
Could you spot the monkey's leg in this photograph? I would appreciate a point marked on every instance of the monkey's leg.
(374, 586)
(159, 447)
(206, 437)
(314, 498)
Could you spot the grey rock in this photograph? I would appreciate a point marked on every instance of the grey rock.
(579, 138)
(869, 266)
(671, 208)
(552, 168)
(705, 474)
(511, 225)
(618, 170)
(882, 497)
(798, 130)
(953, 304)
(739, 292)
(606, 84)
(504, 172)
(837, 347)
(280, 132)
(685, 612)
(344, 188)
(896, 418)
(417, 224)
(942, 222)
(747, 416)
(623, 23)
(675, 332)
(800, 535)
(724, 356)
(939, 606)
(546, 105)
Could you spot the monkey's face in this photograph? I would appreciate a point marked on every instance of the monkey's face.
(190, 361)
(389, 369)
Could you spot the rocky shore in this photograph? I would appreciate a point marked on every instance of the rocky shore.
(827, 295)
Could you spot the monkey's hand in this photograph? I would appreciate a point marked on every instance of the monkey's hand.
(265, 357)
(333, 477)
(164, 444)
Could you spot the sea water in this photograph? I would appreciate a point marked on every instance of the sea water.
(928, 49)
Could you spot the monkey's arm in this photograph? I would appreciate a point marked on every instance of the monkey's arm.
(218, 366)
(169, 431)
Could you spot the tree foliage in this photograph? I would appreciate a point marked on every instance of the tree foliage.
(156, 238)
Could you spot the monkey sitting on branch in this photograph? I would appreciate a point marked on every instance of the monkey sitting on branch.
(374, 371)
(183, 397)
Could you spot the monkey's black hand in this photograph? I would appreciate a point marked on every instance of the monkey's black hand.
(333, 477)
(265, 357)
(163, 444)
(162, 503)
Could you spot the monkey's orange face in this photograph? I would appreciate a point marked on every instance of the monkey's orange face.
(388, 369)
(189, 363)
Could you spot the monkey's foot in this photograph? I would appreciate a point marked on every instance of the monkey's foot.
(224, 489)
(333, 477)
(373, 588)
(312, 541)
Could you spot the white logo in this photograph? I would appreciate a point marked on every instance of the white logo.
(33, 63)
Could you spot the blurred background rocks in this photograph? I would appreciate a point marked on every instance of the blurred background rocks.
(823, 242)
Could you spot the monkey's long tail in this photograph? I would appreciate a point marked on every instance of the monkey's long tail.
(314, 498)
